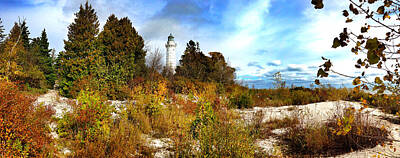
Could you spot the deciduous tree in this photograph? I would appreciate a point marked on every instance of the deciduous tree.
(20, 59)
(375, 43)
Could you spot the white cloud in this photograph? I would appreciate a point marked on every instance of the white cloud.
(276, 62)
(43, 16)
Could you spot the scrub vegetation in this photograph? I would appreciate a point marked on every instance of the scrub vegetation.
(196, 112)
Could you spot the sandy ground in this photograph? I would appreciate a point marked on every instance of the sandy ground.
(312, 114)
(320, 112)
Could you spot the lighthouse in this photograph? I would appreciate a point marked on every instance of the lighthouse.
(171, 47)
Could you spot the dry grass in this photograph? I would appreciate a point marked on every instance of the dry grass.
(155, 112)
(263, 130)
(347, 131)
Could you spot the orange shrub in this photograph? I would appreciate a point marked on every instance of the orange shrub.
(24, 130)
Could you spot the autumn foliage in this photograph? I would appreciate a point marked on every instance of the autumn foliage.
(24, 127)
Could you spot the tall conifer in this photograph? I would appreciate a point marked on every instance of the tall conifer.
(2, 35)
(122, 49)
(45, 59)
(123, 46)
(25, 34)
(74, 62)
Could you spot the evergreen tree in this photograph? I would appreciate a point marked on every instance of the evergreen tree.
(2, 35)
(25, 34)
(136, 43)
(75, 62)
(123, 51)
(195, 65)
(220, 71)
(45, 59)
(21, 59)
(123, 45)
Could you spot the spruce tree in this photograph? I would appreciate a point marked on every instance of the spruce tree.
(74, 62)
(45, 59)
(25, 34)
(29, 59)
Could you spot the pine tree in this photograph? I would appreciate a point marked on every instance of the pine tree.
(74, 63)
(220, 71)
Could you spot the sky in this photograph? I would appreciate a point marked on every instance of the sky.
(257, 37)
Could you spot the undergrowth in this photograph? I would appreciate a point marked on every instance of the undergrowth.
(349, 130)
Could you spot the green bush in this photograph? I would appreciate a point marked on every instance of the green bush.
(301, 97)
(221, 136)
(89, 119)
(243, 100)
(226, 139)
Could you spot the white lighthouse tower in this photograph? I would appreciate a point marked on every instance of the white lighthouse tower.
(171, 60)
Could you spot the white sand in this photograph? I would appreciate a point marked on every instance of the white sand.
(318, 113)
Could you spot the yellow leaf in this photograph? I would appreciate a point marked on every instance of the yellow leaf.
(387, 16)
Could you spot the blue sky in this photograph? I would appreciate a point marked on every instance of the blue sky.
(258, 37)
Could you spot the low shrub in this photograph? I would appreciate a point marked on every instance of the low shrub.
(171, 122)
(241, 101)
(123, 140)
(220, 135)
(388, 103)
(263, 130)
(89, 130)
(89, 119)
(241, 98)
(302, 97)
(24, 128)
(347, 131)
